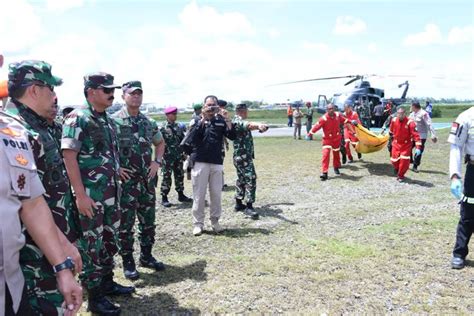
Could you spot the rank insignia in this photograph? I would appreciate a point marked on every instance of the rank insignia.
(21, 181)
(8, 131)
(21, 160)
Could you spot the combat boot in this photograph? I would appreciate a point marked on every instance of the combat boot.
(239, 206)
(250, 212)
(110, 287)
(148, 261)
(336, 171)
(129, 269)
(183, 198)
(99, 304)
(164, 201)
(359, 156)
(323, 176)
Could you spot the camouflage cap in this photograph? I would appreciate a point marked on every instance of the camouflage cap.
(98, 80)
(26, 72)
(241, 106)
(129, 87)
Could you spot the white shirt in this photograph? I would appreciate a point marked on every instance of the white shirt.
(461, 138)
(423, 123)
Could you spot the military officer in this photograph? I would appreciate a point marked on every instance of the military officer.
(173, 133)
(309, 119)
(31, 87)
(91, 156)
(363, 110)
(461, 138)
(137, 134)
(21, 198)
(246, 183)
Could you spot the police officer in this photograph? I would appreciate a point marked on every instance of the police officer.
(246, 183)
(21, 197)
(90, 152)
(33, 103)
(137, 133)
(173, 133)
(462, 136)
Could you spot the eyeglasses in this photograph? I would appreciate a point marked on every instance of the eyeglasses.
(50, 87)
(108, 90)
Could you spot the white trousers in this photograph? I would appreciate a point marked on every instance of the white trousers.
(204, 173)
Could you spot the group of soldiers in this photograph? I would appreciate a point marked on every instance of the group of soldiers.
(99, 174)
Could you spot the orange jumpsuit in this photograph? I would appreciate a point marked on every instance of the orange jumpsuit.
(403, 133)
(350, 137)
(331, 139)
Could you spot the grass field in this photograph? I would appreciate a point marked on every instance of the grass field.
(357, 243)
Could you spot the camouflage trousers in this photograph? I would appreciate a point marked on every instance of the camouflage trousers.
(138, 200)
(169, 167)
(246, 183)
(99, 241)
(40, 280)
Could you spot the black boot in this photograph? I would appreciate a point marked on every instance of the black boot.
(110, 287)
(239, 206)
(336, 171)
(250, 212)
(99, 304)
(323, 176)
(148, 261)
(164, 200)
(359, 155)
(344, 159)
(183, 198)
(129, 268)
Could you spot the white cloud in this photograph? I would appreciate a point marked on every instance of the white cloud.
(273, 33)
(372, 48)
(63, 5)
(349, 25)
(316, 47)
(207, 21)
(431, 35)
(17, 34)
(461, 35)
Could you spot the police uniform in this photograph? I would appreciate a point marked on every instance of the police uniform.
(43, 293)
(136, 136)
(93, 136)
(462, 137)
(18, 182)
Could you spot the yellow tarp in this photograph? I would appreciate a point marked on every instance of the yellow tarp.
(368, 141)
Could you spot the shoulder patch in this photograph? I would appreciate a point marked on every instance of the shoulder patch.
(454, 128)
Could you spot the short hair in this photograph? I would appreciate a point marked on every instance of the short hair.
(211, 97)
(416, 105)
(17, 92)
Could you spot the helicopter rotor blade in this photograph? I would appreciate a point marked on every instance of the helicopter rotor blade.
(308, 80)
(353, 79)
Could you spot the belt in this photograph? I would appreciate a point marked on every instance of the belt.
(468, 200)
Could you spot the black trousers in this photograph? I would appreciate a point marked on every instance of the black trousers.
(417, 160)
(23, 310)
(466, 221)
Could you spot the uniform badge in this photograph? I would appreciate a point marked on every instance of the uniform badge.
(8, 131)
(21, 160)
(21, 181)
(454, 128)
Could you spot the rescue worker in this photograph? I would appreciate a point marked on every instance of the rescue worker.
(246, 183)
(91, 156)
(289, 114)
(330, 123)
(309, 119)
(21, 199)
(423, 126)
(350, 137)
(31, 87)
(137, 134)
(404, 132)
(461, 138)
(173, 158)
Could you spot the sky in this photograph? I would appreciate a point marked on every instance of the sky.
(185, 50)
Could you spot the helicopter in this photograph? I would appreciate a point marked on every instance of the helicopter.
(362, 93)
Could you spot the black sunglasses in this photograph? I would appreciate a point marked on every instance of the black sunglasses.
(108, 90)
(50, 87)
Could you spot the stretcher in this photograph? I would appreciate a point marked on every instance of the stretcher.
(368, 141)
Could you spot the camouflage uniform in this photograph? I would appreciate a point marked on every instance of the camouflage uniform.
(173, 134)
(363, 110)
(44, 297)
(93, 135)
(136, 136)
(246, 183)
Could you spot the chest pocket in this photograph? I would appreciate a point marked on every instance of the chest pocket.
(125, 140)
(97, 134)
(22, 167)
(148, 130)
(54, 171)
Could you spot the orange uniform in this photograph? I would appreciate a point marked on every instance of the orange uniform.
(403, 132)
(331, 139)
(350, 137)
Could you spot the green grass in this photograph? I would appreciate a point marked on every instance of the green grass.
(360, 243)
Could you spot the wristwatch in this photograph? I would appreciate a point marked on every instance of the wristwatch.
(67, 264)
(158, 161)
